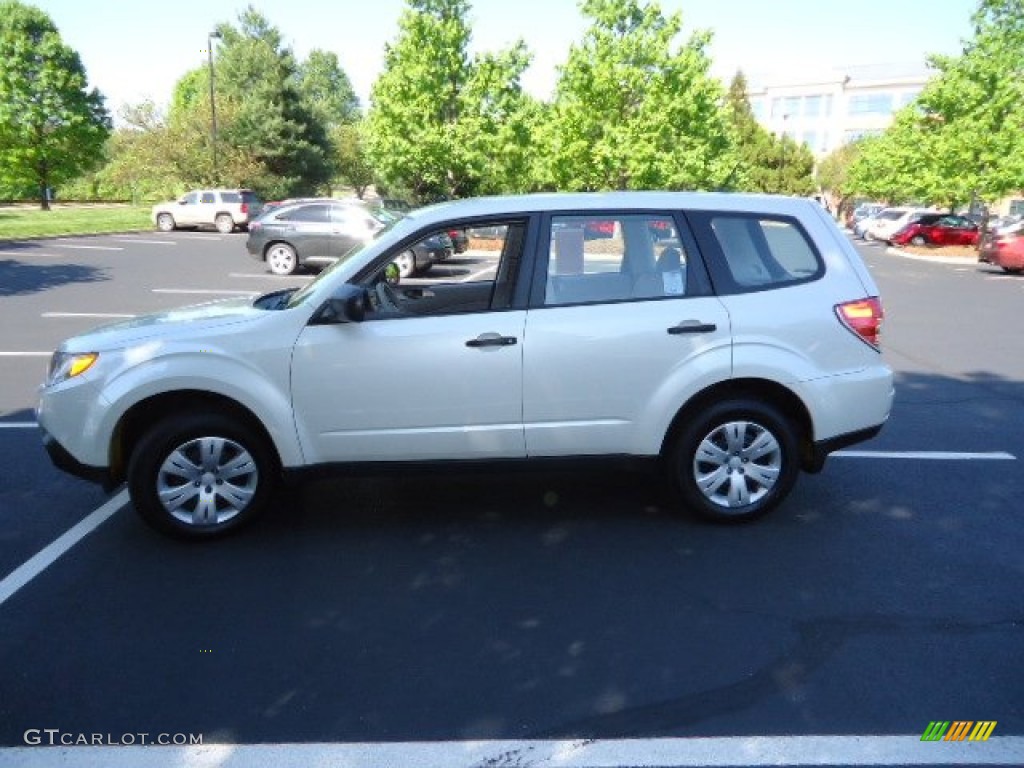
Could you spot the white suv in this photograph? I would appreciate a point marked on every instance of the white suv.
(729, 340)
(225, 209)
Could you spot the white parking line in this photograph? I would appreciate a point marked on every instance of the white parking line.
(205, 291)
(45, 557)
(478, 275)
(28, 252)
(145, 242)
(927, 455)
(273, 277)
(857, 750)
(84, 314)
(61, 244)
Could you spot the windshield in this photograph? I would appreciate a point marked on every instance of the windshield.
(300, 296)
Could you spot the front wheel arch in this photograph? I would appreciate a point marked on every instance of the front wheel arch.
(133, 424)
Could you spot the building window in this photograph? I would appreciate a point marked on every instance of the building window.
(811, 140)
(1017, 207)
(777, 110)
(757, 107)
(812, 106)
(791, 106)
(827, 106)
(870, 104)
(909, 96)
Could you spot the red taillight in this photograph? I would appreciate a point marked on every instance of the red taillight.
(245, 207)
(863, 317)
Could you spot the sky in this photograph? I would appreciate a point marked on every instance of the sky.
(135, 49)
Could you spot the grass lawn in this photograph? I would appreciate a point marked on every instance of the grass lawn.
(24, 221)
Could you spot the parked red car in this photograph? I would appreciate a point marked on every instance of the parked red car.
(1004, 250)
(947, 230)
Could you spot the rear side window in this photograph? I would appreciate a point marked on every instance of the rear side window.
(208, 197)
(230, 197)
(614, 257)
(310, 213)
(750, 252)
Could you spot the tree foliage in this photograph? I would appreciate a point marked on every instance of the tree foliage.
(442, 124)
(52, 128)
(327, 90)
(833, 174)
(350, 160)
(962, 137)
(634, 110)
(767, 163)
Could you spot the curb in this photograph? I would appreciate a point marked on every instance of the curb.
(955, 260)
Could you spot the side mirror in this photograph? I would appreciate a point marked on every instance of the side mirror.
(348, 305)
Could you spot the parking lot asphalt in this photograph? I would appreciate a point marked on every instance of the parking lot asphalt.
(886, 592)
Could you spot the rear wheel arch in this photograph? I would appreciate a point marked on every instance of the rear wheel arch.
(759, 390)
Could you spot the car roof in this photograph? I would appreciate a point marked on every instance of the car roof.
(584, 202)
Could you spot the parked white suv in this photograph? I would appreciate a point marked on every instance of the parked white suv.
(225, 209)
(729, 340)
(887, 222)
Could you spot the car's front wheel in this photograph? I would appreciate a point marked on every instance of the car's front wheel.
(918, 240)
(200, 474)
(165, 222)
(735, 461)
(282, 259)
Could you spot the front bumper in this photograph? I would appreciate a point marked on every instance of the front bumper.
(64, 461)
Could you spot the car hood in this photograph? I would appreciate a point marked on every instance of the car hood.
(187, 321)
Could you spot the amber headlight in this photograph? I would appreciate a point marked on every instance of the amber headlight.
(65, 365)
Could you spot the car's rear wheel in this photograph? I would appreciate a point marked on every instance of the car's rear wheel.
(281, 259)
(735, 461)
(200, 474)
(165, 222)
(918, 240)
(406, 263)
(224, 223)
(1014, 270)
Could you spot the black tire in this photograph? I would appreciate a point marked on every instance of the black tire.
(1013, 270)
(919, 240)
(194, 511)
(165, 222)
(758, 475)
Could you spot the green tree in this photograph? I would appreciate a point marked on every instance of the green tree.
(767, 163)
(961, 139)
(353, 166)
(257, 86)
(52, 128)
(833, 174)
(633, 110)
(442, 124)
(327, 90)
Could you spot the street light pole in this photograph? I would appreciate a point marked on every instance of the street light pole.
(213, 102)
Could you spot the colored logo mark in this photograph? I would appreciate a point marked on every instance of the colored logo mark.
(959, 730)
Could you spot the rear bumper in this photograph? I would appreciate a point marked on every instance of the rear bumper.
(821, 449)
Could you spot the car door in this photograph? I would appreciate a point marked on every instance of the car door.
(207, 209)
(187, 212)
(434, 370)
(351, 226)
(622, 329)
(307, 228)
